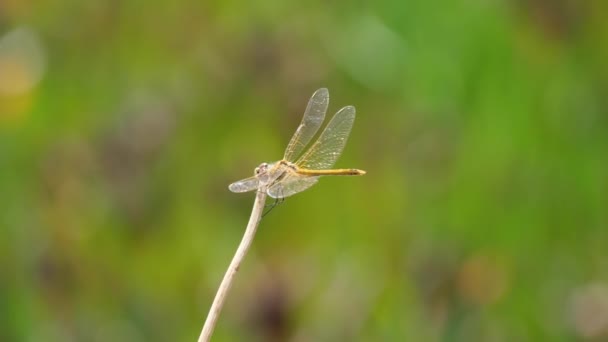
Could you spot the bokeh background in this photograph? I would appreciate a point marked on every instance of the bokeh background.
(483, 126)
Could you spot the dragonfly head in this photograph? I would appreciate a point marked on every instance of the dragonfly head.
(261, 173)
(261, 169)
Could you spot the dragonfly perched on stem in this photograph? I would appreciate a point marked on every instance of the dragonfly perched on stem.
(301, 168)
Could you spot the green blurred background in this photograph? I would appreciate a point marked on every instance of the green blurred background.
(483, 126)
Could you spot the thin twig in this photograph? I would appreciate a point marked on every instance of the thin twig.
(220, 296)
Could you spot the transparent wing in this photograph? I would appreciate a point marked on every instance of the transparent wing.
(324, 153)
(312, 120)
(244, 185)
(291, 185)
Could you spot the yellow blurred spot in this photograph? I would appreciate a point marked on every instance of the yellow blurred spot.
(14, 108)
(16, 76)
(22, 66)
(483, 279)
(15, 8)
(22, 61)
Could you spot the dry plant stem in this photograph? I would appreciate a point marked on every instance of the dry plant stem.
(220, 296)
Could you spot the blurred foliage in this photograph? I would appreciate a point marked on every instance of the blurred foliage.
(483, 126)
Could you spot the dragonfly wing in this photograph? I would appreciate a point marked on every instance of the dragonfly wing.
(291, 185)
(312, 120)
(324, 153)
(244, 185)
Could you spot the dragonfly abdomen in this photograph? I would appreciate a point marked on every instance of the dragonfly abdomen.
(334, 172)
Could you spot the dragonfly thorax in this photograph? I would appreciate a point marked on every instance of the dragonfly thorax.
(268, 173)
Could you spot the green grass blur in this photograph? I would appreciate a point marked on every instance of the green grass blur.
(483, 126)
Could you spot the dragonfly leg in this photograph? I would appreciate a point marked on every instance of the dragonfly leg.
(279, 200)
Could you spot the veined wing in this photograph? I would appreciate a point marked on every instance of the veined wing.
(312, 120)
(324, 153)
(244, 185)
(290, 185)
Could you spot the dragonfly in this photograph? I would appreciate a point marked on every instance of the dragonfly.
(301, 167)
